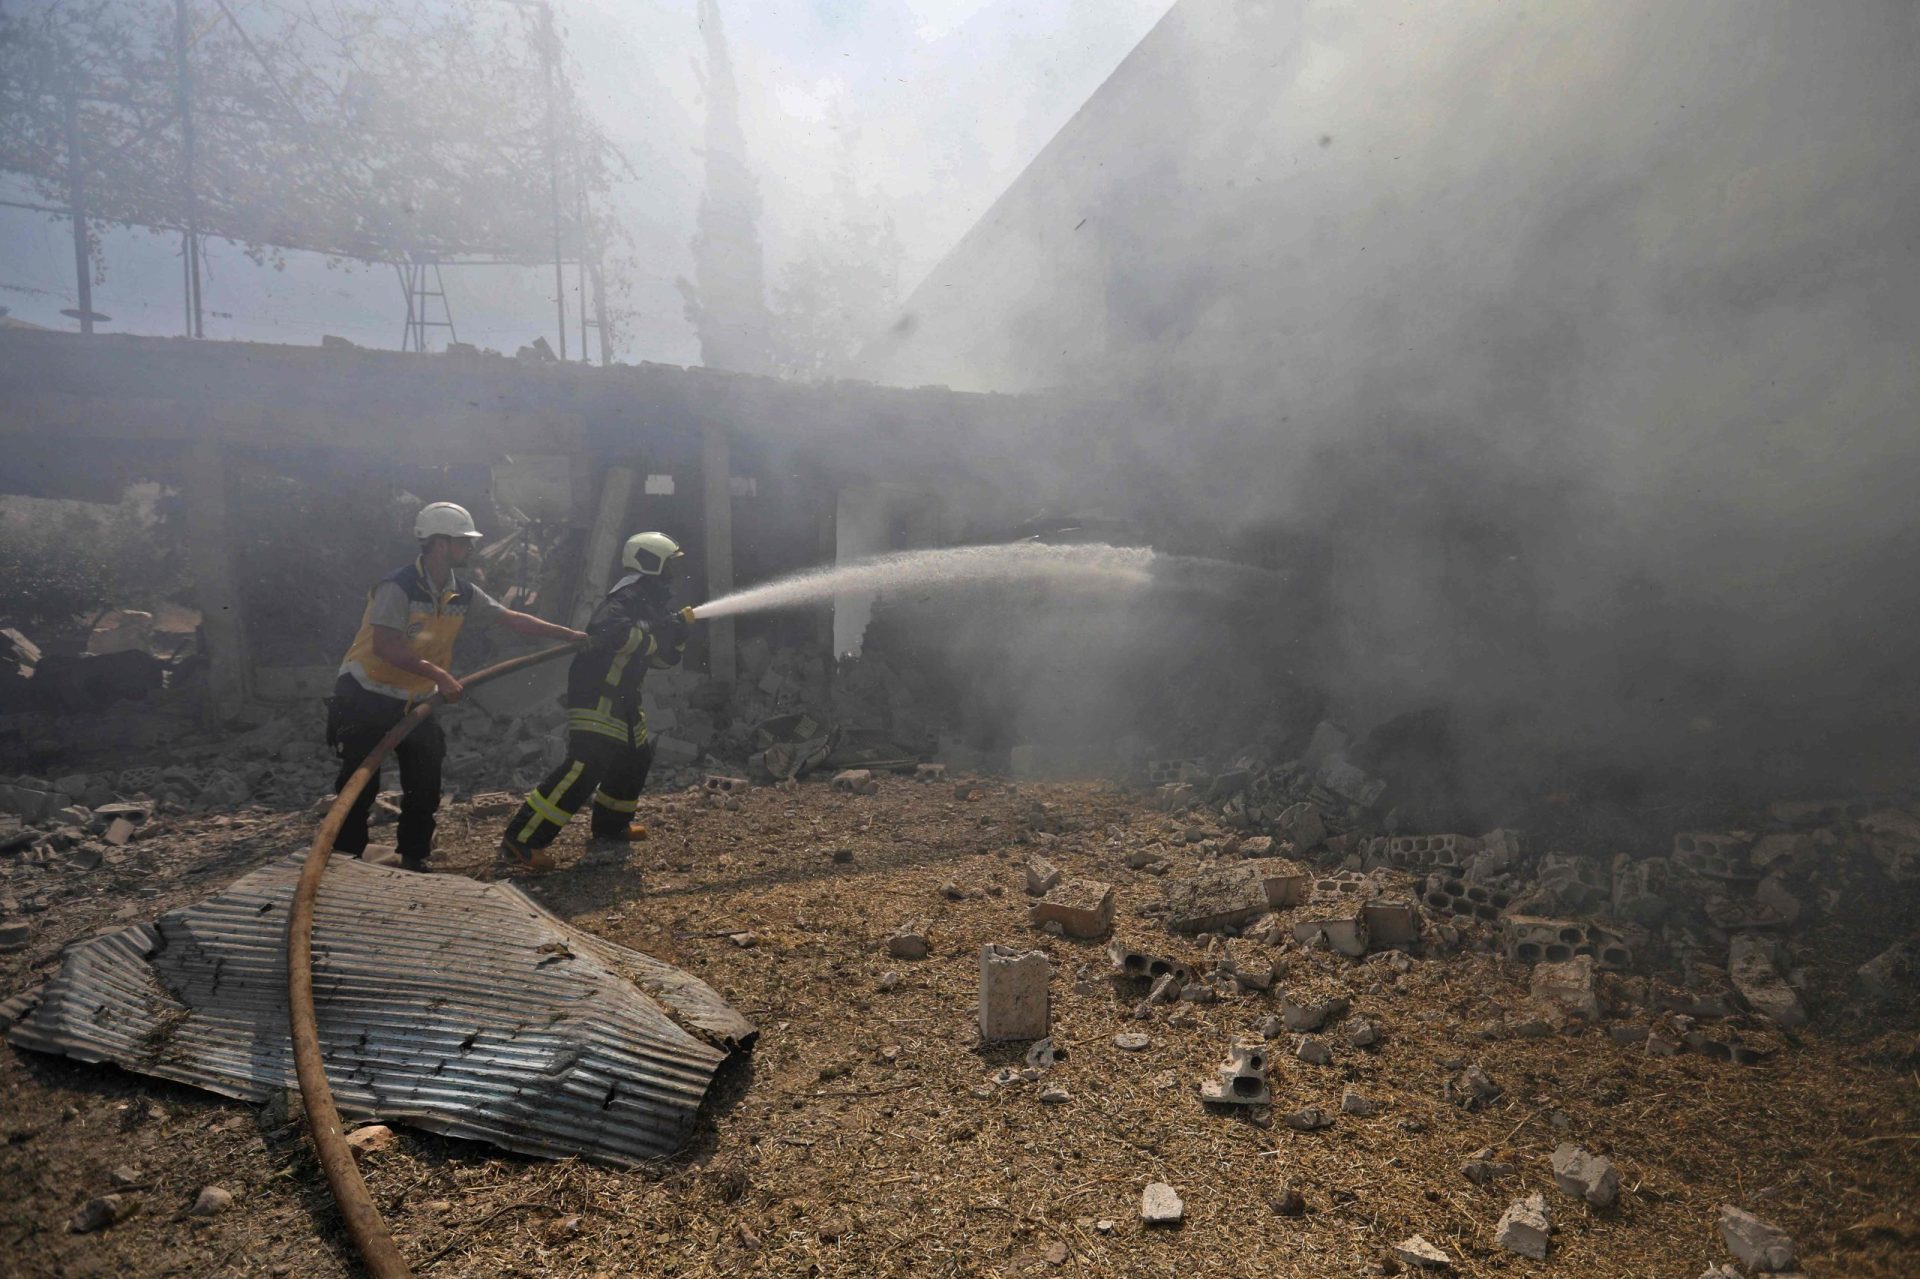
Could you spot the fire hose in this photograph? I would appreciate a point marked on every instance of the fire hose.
(365, 1225)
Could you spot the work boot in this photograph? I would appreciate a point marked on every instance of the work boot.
(416, 864)
(515, 859)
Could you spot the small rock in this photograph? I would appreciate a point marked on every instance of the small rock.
(1472, 1088)
(1758, 1245)
(102, 1211)
(1053, 1094)
(370, 1140)
(1160, 1206)
(1524, 1227)
(1483, 1170)
(1056, 1253)
(1289, 1202)
(124, 1177)
(1106, 1226)
(1587, 1175)
(745, 941)
(1309, 1119)
(1314, 1052)
(889, 982)
(1131, 1042)
(909, 941)
(1417, 1252)
(841, 856)
(952, 892)
(1364, 1033)
(1353, 1103)
(1197, 993)
(1271, 1027)
(213, 1200)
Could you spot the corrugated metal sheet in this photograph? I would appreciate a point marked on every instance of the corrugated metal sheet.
(444, 1003)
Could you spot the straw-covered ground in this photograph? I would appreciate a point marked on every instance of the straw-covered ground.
(864, 1134)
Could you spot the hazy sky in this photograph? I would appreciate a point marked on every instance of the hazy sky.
(933, 105)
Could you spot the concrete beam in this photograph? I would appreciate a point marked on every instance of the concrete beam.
(215, 587)
(604, 539)
(716, 473)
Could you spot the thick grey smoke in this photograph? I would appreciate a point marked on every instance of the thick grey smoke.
(1580, 336)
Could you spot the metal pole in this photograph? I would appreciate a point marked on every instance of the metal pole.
(600, 322)
(548, 43)
(190, 238)
(77, 204)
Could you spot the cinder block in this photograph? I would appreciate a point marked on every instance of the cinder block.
(1342, 923)
(1714, 856)
(1014, 1000)
(1082, 908)
(1390, 922)
(1284, 882)
(1425, 852)
(1203, 903)
(1242, 1077)
(1132, 962)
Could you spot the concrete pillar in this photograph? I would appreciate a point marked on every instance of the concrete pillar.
(604, 539)
(716, 472)
(215, 588)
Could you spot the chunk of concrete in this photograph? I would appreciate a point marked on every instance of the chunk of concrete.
(1589, 1176)
(1472, 1089)
(102, 1211)
(1890, 973)
(909, 941)
(1284, 882)
(1160, 1205)
(1042, 875)
(1302, 826)
(1353, 1102)
(1758, 1245)
(1014, 1000)
(14, 934)
(1567, 986)
(1082, 907)
(1391, 922)
(1418, 1253)
(1340, 925)
(1751, 970)
(1524, 1227)
(856, 781)
(1315, 1052)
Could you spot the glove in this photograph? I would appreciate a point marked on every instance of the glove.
(674, 628)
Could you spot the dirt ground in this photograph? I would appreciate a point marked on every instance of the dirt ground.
(864, 1136)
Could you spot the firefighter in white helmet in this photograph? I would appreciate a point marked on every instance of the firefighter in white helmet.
(634, 630)
(402, 654)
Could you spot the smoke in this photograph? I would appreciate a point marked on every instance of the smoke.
(1578, 336)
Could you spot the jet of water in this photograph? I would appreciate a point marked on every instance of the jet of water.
(1118, 567)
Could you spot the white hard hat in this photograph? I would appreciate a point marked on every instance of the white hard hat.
(648, 553)
(444, 519)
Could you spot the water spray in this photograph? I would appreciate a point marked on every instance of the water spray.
(1082, 565)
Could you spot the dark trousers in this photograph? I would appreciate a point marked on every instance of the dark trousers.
(607, 770)
(357, 720)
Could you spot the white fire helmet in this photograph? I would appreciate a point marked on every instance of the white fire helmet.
(649, 553)
(443, 519)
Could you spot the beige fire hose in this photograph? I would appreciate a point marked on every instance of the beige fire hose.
(364, 1222)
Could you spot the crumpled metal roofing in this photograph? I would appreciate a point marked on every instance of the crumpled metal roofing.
(445, 1003)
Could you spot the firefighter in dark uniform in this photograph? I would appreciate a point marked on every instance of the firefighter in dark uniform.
(401, 655)
(635, 629)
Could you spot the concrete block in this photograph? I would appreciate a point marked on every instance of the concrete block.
(1524, 1227)
(1589, 1176)
(1082, 908)
(1135, 964)
(1241, 1078)
(1426, 852)
(1390, 923)
(1421, 1255)
(856, 781)
(1341, 925)
(1014, 999)
(1756, 1244)
(929, 772)
(119, 831)
(1284, 882)
(1714, 856)
(1567, 986)
(1206, 902)
(721, 784)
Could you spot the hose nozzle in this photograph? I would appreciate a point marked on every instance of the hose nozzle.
(686, 615)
